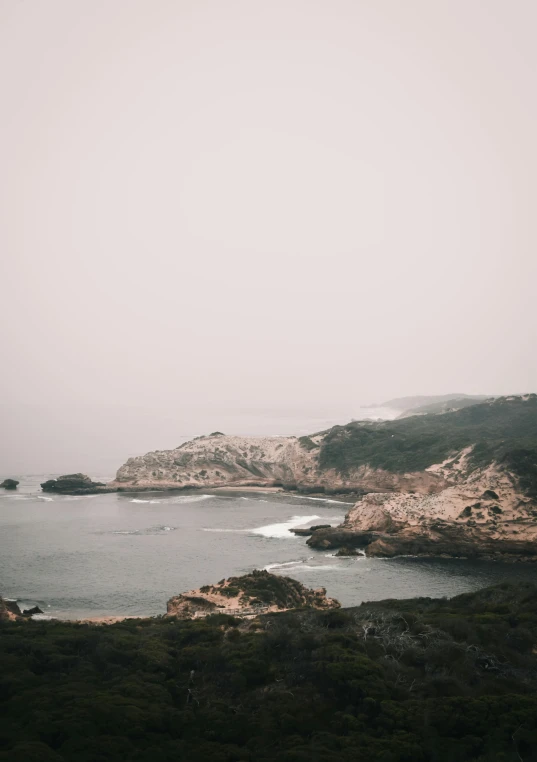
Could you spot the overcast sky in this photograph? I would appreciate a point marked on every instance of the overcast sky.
(214, 212)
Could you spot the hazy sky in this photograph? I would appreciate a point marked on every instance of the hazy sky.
(214, 209)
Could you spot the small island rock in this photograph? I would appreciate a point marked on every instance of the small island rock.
(9, 484)
(75, 484)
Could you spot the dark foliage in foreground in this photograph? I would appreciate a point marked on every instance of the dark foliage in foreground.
(504, 431)
(413, 681)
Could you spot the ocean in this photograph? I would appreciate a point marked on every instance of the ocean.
(126, 554)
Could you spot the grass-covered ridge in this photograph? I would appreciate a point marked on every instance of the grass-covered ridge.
(504, 431)
(396, 681)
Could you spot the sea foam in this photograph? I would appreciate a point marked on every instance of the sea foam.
(282, 530)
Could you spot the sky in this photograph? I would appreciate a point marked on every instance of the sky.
(256, 216)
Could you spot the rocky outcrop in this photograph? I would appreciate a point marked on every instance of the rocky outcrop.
(75, 484)
(425, 482)
(307, 531)
(259, 591)
(9, 611)
(483, 516)
(288, 462)
(9, 484)
(32, 611)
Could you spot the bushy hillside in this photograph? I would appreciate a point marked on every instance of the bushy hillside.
(504, 430)
(438, 408)
(396, 681)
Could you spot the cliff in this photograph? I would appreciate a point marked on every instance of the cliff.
(258, 591)
(217, 460)
(483, 513)
(427, 476)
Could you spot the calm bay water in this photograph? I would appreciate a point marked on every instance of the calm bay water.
(128, 553)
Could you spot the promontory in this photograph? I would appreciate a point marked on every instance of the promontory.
(461, 483)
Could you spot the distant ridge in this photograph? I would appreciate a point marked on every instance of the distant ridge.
(410, 403)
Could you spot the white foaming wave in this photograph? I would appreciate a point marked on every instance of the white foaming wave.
(324, 500)
(174, 500)
(270, 567)
(280, 531)
(47, 499)
(320, 567)
(191, 498)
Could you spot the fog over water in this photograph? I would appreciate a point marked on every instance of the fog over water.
(257, 217)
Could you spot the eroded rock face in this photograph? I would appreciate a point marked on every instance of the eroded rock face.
(258, 591)
(484, 515)
(288, 462)
(75, 484)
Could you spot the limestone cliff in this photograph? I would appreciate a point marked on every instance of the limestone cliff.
(289, 462)
(480, 514)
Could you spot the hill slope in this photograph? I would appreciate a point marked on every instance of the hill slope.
(408, 681)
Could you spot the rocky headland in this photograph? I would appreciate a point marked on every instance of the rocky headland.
(258, 592)
(459, 483)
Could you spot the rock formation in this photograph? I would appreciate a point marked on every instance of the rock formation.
(10, 611)
(9, 484)
(75, 484)
(459, 483)
(287, 462)
(259, 591)
(483, 515)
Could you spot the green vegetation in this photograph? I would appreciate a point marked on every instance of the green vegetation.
(307, 443)
(396, 681)
(503, 431)
(269, 589)
(444, 406)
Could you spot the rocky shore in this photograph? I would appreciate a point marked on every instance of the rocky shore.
(75, 484)
(258, 592)
(483, 516)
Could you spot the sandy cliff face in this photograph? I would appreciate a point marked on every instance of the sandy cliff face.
(219, 460)
(482, 513)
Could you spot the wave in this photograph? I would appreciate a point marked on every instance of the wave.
(161, 529)
(324, 500)
(300, 565)
(282, 530)
(320, 567)
(181, 499)
(191, 498)
(270, 567)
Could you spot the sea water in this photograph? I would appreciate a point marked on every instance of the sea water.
(126, 554)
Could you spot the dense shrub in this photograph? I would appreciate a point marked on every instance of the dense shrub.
(409, 681)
